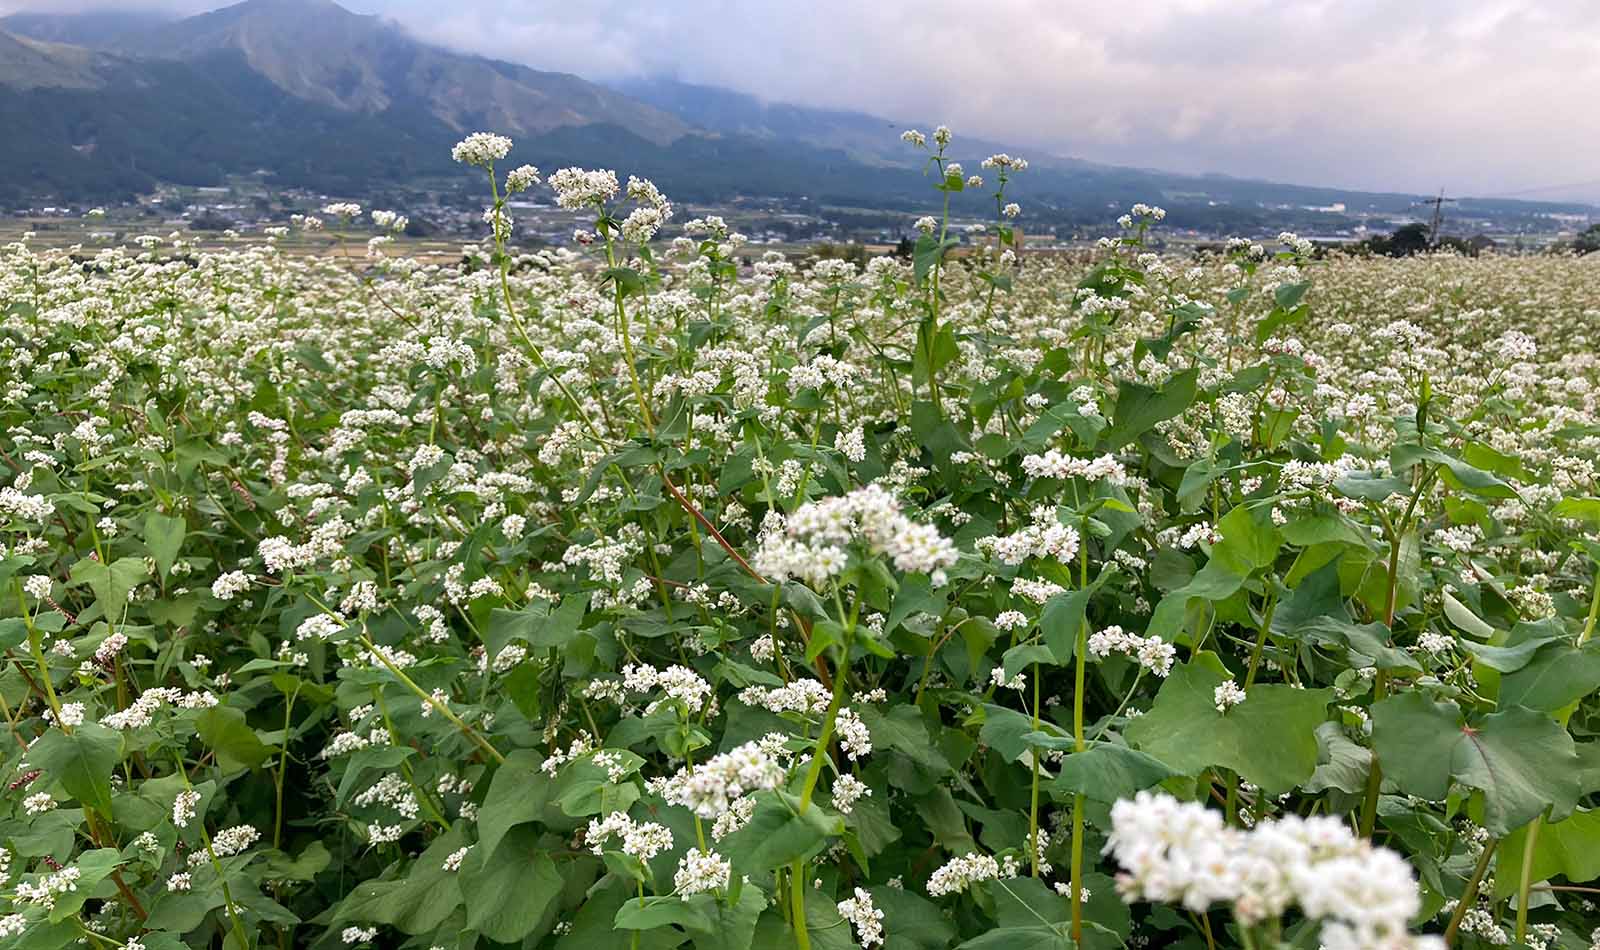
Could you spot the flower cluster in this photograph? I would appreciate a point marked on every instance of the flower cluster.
(1152, 653)
(812, 545)
(1182, 853)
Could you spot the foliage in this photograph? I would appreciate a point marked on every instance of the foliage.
(621, 596)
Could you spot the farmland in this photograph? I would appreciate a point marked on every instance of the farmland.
(656, 589)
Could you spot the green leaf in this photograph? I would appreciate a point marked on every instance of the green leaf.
(13, 632)
(665, 911)
(1107, 773)
(359, 763)
(1522, 761)
(1463, 477)
(1140, 407)
(420, 903)
(915, 595)
(904, 731)
(519, 794)
(1464, 619)
(1555, 677)
(1415, 740)
(934, 352)
(1213, 582)
(1341, 763)
(1022, 656)
(1365, 644)
(1269, 739)
(163, 535)
(1250, 541)
(777, 835)
(1196, 479)
(926, 254)
(911, 922)
(1569, 848)
(1316, 599)
(627, 280)
(536, 625)
(1509, 659)
(1061, 621)
(110, 583)
(1006, 731)
(1288, 296)
(1022, 938)
(1578, 509)
(311, 861)
(934, 431)
(81, 763)
(511, 892)
(1372, 487)
(732, 928)
(1308, 530)
(93, 867)
(225, 732)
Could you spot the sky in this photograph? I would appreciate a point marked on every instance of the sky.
(1476, 97)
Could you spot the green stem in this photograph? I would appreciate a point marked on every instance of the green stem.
(1525, 881)
(1470, 895)
(627, 341)
(1594, 611)
(216, 865)
(37, 651)
(516, 321)
(1137, 676)
(1369, 804)
(283, 765)
(1078, 800)
(439, 707)
(1033, 757)
(1261, 639)
(797, 904)
(797, 894)
(814, 771)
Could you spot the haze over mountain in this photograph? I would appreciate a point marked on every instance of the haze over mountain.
(318, 51)
(95, 30)
(331, 100)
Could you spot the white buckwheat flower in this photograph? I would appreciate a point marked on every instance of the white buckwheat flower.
(482, 149)
(1227, 695)
(867, 919)
(701, 871)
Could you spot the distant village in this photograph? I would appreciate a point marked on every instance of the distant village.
(445, 218)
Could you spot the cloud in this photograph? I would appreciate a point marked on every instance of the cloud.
(1476, 96)
(181, 7)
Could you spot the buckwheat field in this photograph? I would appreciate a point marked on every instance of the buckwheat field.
(651, 593)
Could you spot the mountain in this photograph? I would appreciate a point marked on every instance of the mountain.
(143, 123)
(865, 137)
(872, 139)
(318, 51)
(324, 99)
(97, 30)
(1080, 189)
(27, 63)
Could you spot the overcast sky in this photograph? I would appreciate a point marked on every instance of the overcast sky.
(1476, 96)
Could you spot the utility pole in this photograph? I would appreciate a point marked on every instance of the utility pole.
(1438, 216)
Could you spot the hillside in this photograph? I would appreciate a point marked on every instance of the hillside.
(326, 99)
(27, 63)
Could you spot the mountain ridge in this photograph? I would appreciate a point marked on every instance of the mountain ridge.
(327, 99)
(321, 52)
